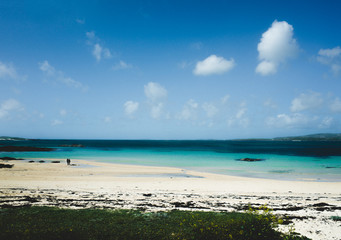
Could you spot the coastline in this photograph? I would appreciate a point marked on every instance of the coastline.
(310, 205)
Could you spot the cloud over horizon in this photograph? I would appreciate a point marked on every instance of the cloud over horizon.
(58, 76)
(336, 105)
(8, 106)
(154, 91)
(213, 65)
(276, 46)
(130, 107)
(210, 109)
(189, 110)
(306, 101)
(295, 120)
(155, 94)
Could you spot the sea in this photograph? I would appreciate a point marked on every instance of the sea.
(283, 160)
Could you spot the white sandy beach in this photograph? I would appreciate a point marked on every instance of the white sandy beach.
(94, 184)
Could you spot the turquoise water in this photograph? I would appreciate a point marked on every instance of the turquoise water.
(287, 161)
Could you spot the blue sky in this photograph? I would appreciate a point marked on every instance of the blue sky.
(169, 69)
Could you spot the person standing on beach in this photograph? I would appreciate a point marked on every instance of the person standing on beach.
(68, 161)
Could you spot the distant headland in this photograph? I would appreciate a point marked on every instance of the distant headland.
(310, 137)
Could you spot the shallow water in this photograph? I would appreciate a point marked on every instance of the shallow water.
(306, 161)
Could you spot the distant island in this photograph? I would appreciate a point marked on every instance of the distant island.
(6, 138)
(323, 137)
(310, 137)
(313, 137)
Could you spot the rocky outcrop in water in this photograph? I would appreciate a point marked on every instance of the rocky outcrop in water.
(24, 149)
(10, 158)
(250, 159)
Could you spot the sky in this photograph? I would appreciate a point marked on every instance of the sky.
(169, 69)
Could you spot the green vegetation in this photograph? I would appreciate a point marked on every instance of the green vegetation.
(313, 137)
(55, 223)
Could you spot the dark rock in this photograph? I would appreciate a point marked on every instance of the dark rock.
(31, 161)
(287, 219)
(321, 204)
(325, 207)
(24, 149)
(188, 204)
(6, 165)
(10, 158)
(41, 161)
(55, 161)
(147, 194)
(250, 159)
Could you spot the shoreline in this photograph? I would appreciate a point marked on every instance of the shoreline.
(310, 205)
(201, 170)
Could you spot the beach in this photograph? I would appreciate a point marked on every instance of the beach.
(310, 205)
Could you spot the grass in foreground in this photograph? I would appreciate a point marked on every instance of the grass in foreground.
(55, 223)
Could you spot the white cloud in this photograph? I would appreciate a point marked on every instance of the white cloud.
(130, 107)
(47, 68)
(107, 119)
(90, 35)
(98, 51)
(155, 92)
(157, 110)
(326, 122)
(213, 65)
(266, 68)
(72, 83)
(242, 122)
(80, 21)
(284, 120)
(269, 103)
(210, 109)
(56, 122)
(276, 45)
(62, 112)
(106, 53)
(330, 53)
(189, 110)
(336, 106)
(331, 57)
(58, 76)
(225, 99)
(122, 65)
(7, 71)
(241, 112)
(306, 101)
(8, 106)
(336, 68)
(239, 119)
